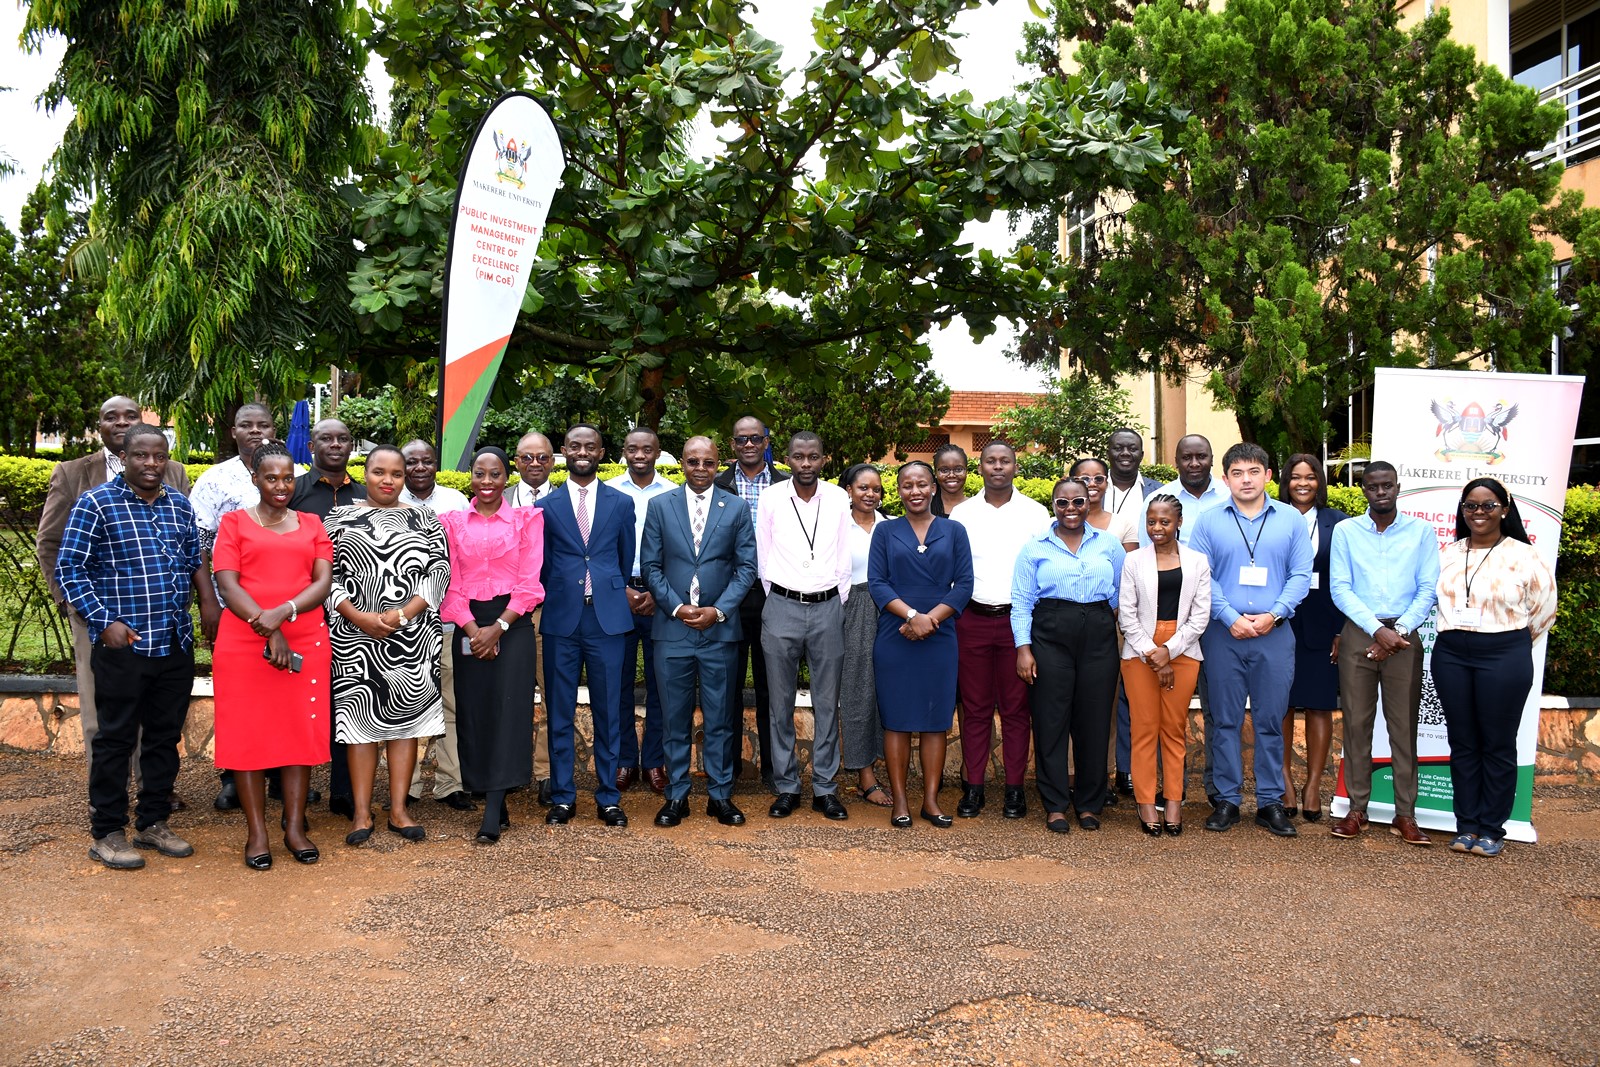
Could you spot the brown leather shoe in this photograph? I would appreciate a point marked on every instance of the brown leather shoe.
(656, 779)
(1350, 825)
(626, 776)
(1406, 829)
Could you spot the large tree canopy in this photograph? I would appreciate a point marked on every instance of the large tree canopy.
(821, 239)
(210, 135)
(1349, 194)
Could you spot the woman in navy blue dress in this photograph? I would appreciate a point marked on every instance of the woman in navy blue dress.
(920, 574)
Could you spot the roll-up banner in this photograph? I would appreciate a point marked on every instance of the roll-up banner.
(511, 170)
(1441, 429)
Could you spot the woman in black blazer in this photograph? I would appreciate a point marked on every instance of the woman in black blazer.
(1316, 625)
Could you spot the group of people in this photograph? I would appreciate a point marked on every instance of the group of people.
(349, 617)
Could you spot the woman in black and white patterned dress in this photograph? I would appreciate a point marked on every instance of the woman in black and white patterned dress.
(391, 566)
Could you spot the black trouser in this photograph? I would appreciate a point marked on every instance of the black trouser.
(1073, 697)
(750, 625)
(134, 693)
(1483, 682)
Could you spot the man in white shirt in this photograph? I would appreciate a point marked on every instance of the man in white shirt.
(535, 459)
(804, 556)
(999, 521)
(640, 450)
(423, 490)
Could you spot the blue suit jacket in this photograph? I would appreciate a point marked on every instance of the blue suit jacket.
(608, 557)
(726, 563)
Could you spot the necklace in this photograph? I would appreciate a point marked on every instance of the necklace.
(255, 513)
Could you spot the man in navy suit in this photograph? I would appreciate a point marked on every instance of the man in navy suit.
(588, 557)
(699, 559)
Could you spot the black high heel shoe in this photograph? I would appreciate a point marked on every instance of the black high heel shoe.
(262, 862)
(1151, 828)
(1173, 829)
(303, 855)
(943, 822)
(410, 833)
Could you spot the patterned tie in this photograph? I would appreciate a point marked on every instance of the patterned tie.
(583, 531)
(699, 530)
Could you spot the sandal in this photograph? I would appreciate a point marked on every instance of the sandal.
(877, 787)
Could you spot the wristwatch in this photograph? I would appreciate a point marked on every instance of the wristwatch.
(720, 616)
(1401, 630)
(911, 614)
(1276, 621)
(504, 626)
(405, 620)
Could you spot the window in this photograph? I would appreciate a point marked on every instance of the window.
(1554, 45)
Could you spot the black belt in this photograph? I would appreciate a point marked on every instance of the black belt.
(639, 584)
(1391, 623)
(588, 601)
(989, 611)
(807, 598)
(1059, 602)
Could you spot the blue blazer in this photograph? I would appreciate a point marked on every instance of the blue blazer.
(609, 558)
(726, 562)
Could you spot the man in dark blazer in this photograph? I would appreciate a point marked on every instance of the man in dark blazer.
(68, 481)
(698, 578)
(588, 559)
(748, 477)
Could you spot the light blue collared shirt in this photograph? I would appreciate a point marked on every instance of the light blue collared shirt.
(641, 503)
(1047, 568)
(1275, 539)
(1193, 507)
(1397, 574)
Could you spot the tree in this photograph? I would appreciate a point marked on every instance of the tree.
(820, 242)
(1075, 417)
(210, 136)
(861, 418)
(57, 363)
(1349, 194)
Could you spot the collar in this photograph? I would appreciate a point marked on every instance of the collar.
(1089, 534)
(738, 472)
(121, 486)
(501, 514)
(1216, 486)
(1400, 519)
(1266, 506)
(321, 476)
(626, 483)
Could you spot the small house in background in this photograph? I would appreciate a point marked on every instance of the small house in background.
(969, 422)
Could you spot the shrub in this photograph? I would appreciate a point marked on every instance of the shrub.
(1570, 666)
(24, 482)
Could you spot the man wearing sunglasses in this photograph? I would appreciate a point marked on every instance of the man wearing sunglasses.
(750, 475)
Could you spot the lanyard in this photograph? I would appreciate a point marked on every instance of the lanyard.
(811, 538)
(1248, 545)
(1126, 493)
(1468, 575)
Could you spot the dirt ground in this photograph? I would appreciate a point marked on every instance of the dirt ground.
(802, 941)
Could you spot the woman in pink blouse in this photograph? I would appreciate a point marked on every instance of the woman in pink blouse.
(496, 552)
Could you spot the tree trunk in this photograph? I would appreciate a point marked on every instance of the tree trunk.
(653, 394)
(221, 432)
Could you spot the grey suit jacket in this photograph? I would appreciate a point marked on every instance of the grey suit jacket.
(70, 480)
(1136, 611)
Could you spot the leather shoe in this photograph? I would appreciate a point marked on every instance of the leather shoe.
(626, 776)
(672, 813)
(656, 779)
(1276, 820)
(314, 796)
(783, 805)
(1088, 821)
(971, 801)
(1406, 829)
(1225, 817)
(612, 815)
(460, 800)
(726, 811)
(1350, 825)
(177, 803)
(830, 807)
(1125, 784)
(345, 806)
(1016, 803)
(545, 793)
(227, 796)
(559, 815)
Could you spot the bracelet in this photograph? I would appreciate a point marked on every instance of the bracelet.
(294, 612)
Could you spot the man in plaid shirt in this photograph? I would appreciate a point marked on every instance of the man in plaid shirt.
(129, 565)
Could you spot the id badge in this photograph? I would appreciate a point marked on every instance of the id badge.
(1316, 580)
(1249, 575)
(1469, 615)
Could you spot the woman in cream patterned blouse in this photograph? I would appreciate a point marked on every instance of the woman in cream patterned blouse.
(1496, 597)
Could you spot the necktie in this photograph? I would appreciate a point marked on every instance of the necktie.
(583, 531)
(699, 530)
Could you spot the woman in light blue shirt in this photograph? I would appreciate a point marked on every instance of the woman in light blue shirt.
(1063, 619)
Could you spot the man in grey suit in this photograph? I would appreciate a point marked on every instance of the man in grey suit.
(699, 559)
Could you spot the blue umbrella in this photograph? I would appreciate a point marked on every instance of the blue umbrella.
(299, 441)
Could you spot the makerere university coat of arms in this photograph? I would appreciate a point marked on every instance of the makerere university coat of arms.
(511, 161)
(1469, 433)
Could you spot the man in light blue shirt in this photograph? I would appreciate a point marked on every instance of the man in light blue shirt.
(1385, 597)
(1261, 562)
(640, 449)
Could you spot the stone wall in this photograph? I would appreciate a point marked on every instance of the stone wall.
(41, 715)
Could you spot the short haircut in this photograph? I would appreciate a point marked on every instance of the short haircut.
(847, 480)
(647, 431)
(949, 449)
(1321, 499)
(1378, 466)
(1245, 452)
(1130, 429)
(997, 443)
(583, 426)
(375, 449)
(267, 450)
(254, 405)
(805, 437)
(419, 441)
(143, 429)
(1167, 499)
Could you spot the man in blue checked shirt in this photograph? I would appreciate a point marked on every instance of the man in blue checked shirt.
(1261, 562)
(129, 565)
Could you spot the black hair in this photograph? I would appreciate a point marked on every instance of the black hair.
(801, 437)
(998, 442)
(578, 426)
(253, 405)
(1378, 466)
(854, 471)
(266, 450)
(1073, 470)
(1510, 519)
(924, 464)
(949, 448)
(497, 453)
(642, 429)
(1321, 499)
(1063, 481)
(1245, 452)
(142, 429)
(375, 449)
(1127, 429)
(1168, 499)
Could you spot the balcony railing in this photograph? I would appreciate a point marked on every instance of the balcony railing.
(1579, 137)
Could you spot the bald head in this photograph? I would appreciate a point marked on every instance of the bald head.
(535, 459)
(699, 463)
(116, 415)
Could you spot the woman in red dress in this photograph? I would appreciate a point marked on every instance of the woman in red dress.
(273, 657)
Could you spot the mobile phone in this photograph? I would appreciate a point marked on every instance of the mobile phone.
(296, 660)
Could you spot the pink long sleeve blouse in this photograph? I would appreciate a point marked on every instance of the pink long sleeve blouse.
(491, 556)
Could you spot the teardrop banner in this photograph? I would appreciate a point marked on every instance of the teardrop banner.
(511, 170)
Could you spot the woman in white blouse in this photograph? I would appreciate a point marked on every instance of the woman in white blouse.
(1095, 475)
(859, 724)
(1496, 597)
(1165, 607)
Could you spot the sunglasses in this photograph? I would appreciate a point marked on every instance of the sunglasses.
(1092, 479)
(1071, 502)
(530, 457)
(749, 439)
(1478, 507)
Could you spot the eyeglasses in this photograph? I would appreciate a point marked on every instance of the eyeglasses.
(1479, 507)
(531, 457)
(1092, 479)
(749, 438)
(953, 470)
(1072, 502)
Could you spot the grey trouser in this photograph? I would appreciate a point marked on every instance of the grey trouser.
(1400, 677)
(790, 630)
(446, 761)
